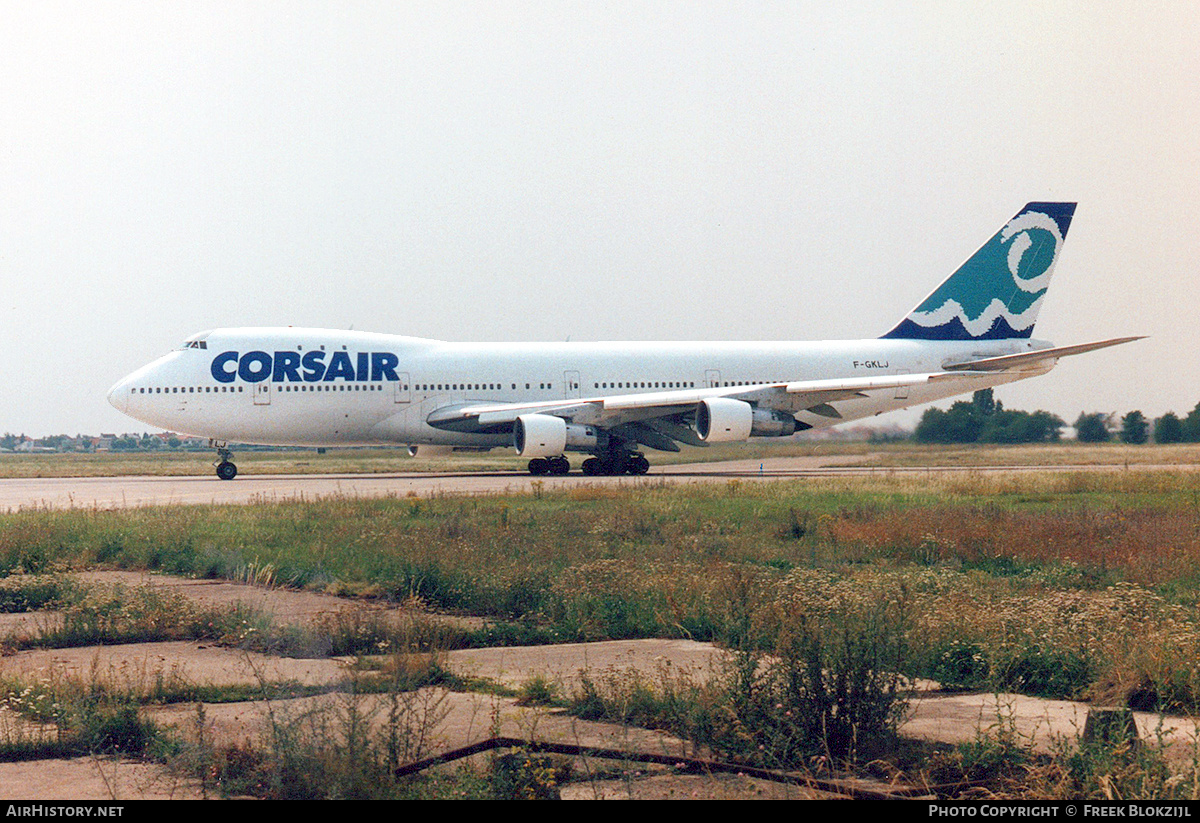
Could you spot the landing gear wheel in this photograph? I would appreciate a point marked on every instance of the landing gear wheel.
(224, 462)
(614, 464)
(560, 465)
(539, 466)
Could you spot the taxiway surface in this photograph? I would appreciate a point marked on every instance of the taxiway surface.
(132, 491)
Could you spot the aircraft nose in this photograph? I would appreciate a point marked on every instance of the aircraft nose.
(118, 395)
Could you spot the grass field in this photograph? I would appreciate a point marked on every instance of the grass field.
(1099, 573)
(384, 460)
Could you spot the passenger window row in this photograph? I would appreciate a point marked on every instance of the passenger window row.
(426, 387)
(649, 384)
(662, 384)
(188, 389)
(230, 389)
(466, 386)
(339, 387)
(477, 386)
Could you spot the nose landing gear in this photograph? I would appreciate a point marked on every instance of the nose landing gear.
(226, 470)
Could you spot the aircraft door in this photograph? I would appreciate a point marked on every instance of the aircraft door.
(571, 384)
(712, 378)
(901, 391)
(262, 393)
(403, 389)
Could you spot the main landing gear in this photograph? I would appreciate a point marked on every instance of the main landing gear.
(605, 464)
(616, 463)
(224, 463)
(549, 465)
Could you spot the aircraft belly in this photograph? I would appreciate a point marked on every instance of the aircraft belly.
(279, 423)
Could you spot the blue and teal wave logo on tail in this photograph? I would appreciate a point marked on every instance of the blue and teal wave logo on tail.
(997, 293)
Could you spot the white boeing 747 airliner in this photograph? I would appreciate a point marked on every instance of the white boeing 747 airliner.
(316, 387)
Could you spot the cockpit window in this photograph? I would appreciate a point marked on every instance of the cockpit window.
(196, 341)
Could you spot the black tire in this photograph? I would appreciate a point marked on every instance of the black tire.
(560, 465)
(616, 464)
(592, 466)
(539, 466)
(639, 465)
(226, 470)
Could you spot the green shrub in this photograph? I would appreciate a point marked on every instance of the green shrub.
(519, 775)
(107, 729)
(960, 665)
(1045, 672)
(825, 690)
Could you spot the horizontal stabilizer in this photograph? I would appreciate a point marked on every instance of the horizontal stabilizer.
(1009, 361)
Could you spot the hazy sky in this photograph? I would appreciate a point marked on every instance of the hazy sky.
(539, 171)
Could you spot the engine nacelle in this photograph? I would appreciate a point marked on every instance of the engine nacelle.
(724, 420)
(544, 435)
(770, 423)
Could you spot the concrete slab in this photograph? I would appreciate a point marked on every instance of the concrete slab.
(97, 779)
(286, 606)
(23, 625)
(138, 666)
(563, 663)
(447, 720)
(1033, 721)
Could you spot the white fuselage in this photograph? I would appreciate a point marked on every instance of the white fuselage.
(315, 387)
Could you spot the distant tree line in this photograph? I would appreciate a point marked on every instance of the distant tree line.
(84, 443)
(1094, 427)
(146, 442)
(983, 419)
(1171, 429)
(1135, 428)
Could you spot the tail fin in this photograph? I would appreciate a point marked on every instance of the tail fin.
(997, 293)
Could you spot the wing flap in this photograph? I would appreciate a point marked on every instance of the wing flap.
(814, 394)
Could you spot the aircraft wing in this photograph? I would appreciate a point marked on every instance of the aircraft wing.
(660, 418)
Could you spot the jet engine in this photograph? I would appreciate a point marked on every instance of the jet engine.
(771, 423)
(544, 435)
(724, 420)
